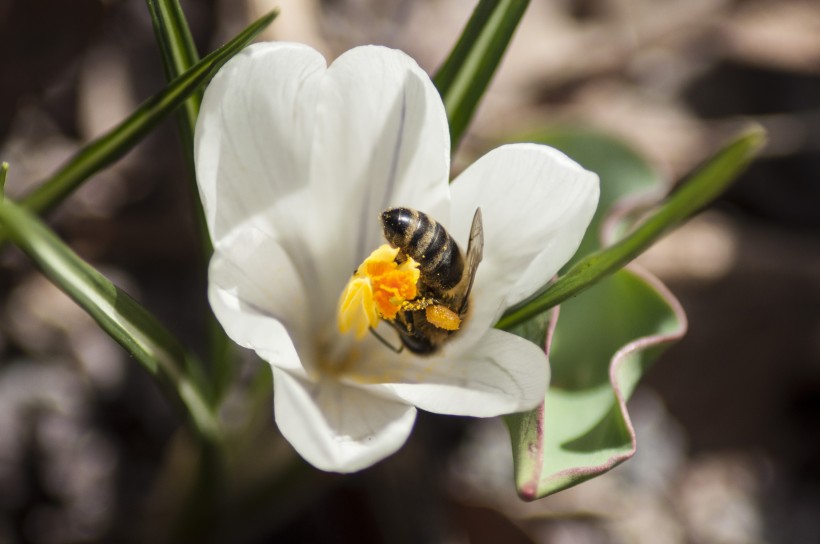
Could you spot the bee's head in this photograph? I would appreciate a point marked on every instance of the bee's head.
(399, 225)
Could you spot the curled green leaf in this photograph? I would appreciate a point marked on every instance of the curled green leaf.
(600, 344)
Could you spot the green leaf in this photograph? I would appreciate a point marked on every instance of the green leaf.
(178, 55)
(103, 151)
(176, 45)
(466, 74)
(692, 194)
(4, 170)
(603, 343)
(117, 313)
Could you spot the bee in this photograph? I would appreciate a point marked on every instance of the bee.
(446, 276)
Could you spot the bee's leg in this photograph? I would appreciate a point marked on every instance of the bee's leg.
(384, 341)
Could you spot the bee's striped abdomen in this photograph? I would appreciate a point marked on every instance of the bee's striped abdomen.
(419, 236)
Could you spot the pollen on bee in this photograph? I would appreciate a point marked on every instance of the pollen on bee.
(442, 317)
(377, 290)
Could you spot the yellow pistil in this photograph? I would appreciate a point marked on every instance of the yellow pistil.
(377, 290)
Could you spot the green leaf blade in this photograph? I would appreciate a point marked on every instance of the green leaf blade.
(103, 151)
(174, 37)
(465, 75)
(695, 192)
(4, 170)
(624, 175)
(128, 323)
(179, 54)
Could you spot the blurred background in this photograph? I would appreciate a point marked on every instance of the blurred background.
(728, 420)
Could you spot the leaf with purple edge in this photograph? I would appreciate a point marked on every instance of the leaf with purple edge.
(600, 343)
(603, 342)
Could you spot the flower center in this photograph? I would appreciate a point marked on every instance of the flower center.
(379, 289)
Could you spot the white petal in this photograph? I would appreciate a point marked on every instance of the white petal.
(502, 374)
(339, 428)
(313, 155)
(536, 204)
(381, 140)
(254, 134)
(259, 296)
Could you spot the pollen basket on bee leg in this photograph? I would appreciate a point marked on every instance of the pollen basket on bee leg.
(442, 317)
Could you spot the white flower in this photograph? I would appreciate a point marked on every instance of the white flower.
(295, 162)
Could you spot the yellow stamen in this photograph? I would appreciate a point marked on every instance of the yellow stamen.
(377, 290)
(356, 308)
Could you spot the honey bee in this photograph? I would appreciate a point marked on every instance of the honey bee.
(445, 276)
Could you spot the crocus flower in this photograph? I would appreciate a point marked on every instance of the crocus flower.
(296, 161)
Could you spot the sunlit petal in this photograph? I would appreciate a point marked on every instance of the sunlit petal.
(536, 204)
(295, 163)
(254, 135)
(336, 427)
(381, 140)
(500, 375)
(254, 287)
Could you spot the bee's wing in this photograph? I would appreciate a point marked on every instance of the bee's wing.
(475, 252)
